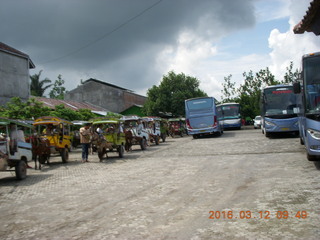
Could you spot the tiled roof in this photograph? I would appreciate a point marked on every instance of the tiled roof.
(51, 103)
(6, 48)
(309, 20)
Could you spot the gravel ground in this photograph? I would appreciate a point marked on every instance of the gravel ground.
(237, 186)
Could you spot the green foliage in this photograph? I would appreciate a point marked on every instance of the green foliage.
(32, 109)
(170, 95)
(113, 115)
(290, 76)
(18, 109)
(229, 90)
(248, 94)
(58, 89)
(37, 86)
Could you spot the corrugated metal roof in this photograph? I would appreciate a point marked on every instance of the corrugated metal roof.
(51, 103)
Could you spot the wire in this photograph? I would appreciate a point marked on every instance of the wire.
(105, 35)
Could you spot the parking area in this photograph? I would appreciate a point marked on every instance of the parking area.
(241, 185)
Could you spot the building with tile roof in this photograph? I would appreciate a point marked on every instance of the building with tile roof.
(311, 20)
(108, 96)
(14, 74)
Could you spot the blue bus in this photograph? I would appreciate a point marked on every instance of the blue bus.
(230, 115)
(279, 111)
(309, 94)
(201, 117)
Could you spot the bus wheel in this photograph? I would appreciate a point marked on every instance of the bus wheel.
(312, 157)
(195, 136)
(21, 170)
(301, 141)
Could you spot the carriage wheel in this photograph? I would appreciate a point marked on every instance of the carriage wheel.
(143, 144)
(64, 155)
(121, 151)
(21, 170)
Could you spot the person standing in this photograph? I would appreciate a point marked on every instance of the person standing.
(85, 141)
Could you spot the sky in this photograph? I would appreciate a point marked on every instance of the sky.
(134, 43)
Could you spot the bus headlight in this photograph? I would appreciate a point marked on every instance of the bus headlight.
(269, 123)
(314, 133)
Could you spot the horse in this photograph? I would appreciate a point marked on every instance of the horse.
(129, 138)
(40, 150)
(101, 145)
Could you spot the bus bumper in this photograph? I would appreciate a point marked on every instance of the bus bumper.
(203, 131)
(281, 125)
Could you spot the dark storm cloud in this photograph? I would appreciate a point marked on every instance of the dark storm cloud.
(49, 31)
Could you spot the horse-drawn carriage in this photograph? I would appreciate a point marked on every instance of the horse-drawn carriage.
(177, 126)
(15, 152)
(153, 128)
(57, 132)
(135, 132)
(108, 136)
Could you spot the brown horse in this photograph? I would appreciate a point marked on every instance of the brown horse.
(40, 150)
(129, 137)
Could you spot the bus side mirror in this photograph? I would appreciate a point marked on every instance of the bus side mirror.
(296, 87)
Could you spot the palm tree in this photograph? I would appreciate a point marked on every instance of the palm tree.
(37, 87)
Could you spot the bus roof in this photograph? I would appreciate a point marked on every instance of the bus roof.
(190, 99)
(311, 55)
(278, 86)
(231, 103)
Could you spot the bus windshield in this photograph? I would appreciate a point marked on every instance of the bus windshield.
(279, 101)
(231, 111)
(199, 104)
(312, 84)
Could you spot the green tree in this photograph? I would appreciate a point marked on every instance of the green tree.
(170, 95)
(68, 114)
(85, 114)
(31, 109)
(290, 76)
(250, 91)
(229, 91)
(37, 86)
(58, 89)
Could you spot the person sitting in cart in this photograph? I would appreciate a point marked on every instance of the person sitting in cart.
(18, 136)
(49, 130)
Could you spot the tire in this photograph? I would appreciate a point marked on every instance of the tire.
(121, 151)
(267, 134)
(301, 141)
(163, 136)
(21, 170)
(143, 144)
(64, 155)
(195, 136)
(312, 157)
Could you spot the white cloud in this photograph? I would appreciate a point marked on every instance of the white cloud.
(288, 46)
(271, 10)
